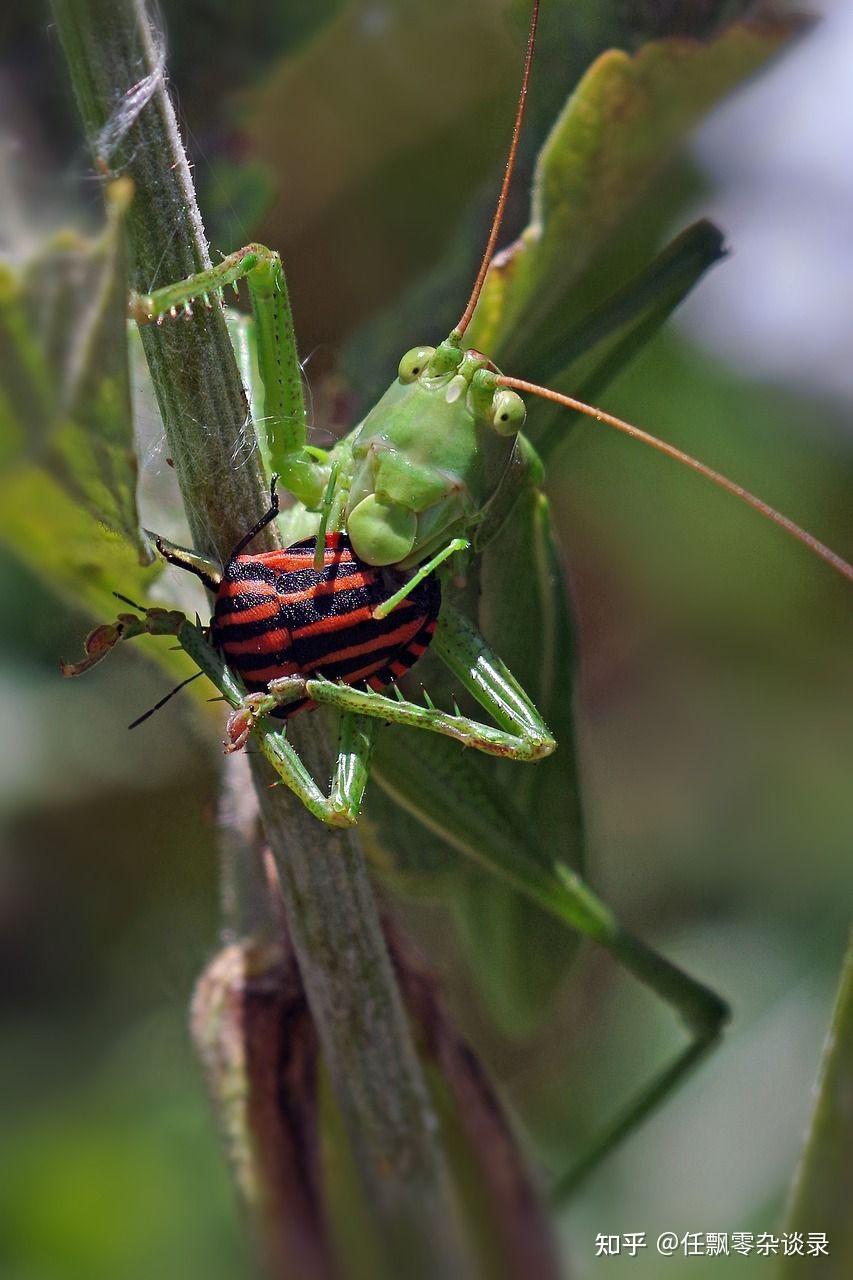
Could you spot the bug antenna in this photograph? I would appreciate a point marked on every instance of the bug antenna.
(510, 165)
(265, 519)
(157, 705)
(723, 482)
(140, 608)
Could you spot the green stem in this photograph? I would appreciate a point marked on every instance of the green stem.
(332, 916)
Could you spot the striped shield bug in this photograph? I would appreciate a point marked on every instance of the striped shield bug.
(277, 616)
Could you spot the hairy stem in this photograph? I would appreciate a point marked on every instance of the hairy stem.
(116, 67)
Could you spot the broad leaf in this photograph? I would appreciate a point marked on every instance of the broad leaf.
(608, 145)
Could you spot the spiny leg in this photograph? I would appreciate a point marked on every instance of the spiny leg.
(465, 651)
(522, 733)
(342, 806)
(557, 888)
(303, 469)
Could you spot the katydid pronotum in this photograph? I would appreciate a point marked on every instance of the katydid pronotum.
(429, 478)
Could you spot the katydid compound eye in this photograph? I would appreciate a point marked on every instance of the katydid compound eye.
(414, 362)
(508, 412)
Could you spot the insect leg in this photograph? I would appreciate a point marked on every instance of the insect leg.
(341, 807)
(267, 518)
(471, 811)
(457, 544)
(521, 733)
(325, 516)
(303, 469)
(146, 308)
(355, 747)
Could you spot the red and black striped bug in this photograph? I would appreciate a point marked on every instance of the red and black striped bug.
(276, 615)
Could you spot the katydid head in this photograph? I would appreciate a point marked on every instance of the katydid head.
(429, 455)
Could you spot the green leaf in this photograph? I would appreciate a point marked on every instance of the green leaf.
(823, 1191)
(613, 137)
(65, 374)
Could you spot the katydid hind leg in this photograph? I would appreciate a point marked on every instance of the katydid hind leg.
(520, 732)
(462, 805)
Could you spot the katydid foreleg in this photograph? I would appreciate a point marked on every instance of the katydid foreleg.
(303, 469)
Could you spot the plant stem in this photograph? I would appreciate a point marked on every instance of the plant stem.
(116, 68)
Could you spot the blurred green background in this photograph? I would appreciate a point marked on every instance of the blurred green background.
(365, 141)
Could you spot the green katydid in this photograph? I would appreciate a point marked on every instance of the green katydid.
(440, 459)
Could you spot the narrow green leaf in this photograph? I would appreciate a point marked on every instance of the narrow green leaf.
(823, 1189)
(616, 132)
(611, 334)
